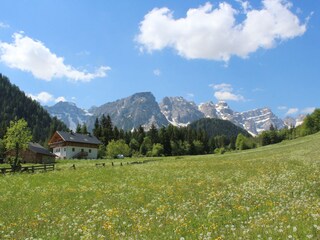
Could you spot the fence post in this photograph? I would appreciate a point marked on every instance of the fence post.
(33, 169)
(45, 167)
(112, 164)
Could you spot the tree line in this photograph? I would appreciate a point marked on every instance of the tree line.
(192, 140)
(165, 141)
(310, 125)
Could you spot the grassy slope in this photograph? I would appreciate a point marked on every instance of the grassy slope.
(272, 191)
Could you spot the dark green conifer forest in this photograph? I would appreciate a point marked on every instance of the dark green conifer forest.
(14, 104)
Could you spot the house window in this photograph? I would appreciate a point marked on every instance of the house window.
(73, 149)
(64, 149)
(89, 150)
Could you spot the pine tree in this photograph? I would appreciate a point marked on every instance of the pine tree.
(84, 129)
(153, 134)
(78, 129)
(97, 129)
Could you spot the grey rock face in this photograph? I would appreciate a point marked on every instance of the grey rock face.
(259, 120)
(254, 121)
(69, 113)
(131, 112)
(180, 112)
(294, 121)
(142, 109)
(208, 109)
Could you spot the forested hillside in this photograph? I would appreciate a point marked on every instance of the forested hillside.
(14, 104)
(218, 127)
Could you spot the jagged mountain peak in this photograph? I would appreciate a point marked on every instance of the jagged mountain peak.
(294, 121)
(69, 113)
(180, 112)
(208, 109)
(65, 103)
(142, 109)
(222, 104)
(133, 111)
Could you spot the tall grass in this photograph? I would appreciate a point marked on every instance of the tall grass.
(267, 193)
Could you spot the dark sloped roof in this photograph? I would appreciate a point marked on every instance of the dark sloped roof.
(79, 138)
(37, 148)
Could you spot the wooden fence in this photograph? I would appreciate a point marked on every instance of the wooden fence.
(51, 167)
(30, 169)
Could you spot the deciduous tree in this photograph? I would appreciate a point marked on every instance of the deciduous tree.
(17, 138)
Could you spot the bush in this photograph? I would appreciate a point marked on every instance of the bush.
(157, 150)
(116, 148)
(220, 150)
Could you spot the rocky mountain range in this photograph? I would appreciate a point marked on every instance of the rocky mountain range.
(131, 112)
(143, 109)
(69, 113)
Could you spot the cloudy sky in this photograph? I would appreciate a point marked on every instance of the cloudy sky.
(256, 53)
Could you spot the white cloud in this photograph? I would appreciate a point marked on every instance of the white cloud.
(33, 56)
(4, 25)
(60, 99)
(295, 111)
(224, 92)
(228, 96)
(222, 87)
(45, 97)
(157, 72)
(308, 110)
(292, 111)
(214, 33)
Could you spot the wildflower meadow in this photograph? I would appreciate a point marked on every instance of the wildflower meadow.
(271, 192)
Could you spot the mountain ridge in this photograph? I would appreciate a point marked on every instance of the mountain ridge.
(143, 109)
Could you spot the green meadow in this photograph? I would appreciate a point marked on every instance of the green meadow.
(271, 192)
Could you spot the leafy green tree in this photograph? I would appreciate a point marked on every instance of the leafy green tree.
(146, 146)
(157, 150)
(241, 142)
(264, 138)
(115, 148)
(177, 148)
(134, 145)
(311, 124)
(17, 138)
(198, 146)
(102, 151)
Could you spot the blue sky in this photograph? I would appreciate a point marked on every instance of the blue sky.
(251, 54)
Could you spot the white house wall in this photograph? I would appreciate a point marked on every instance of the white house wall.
(67, 153)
